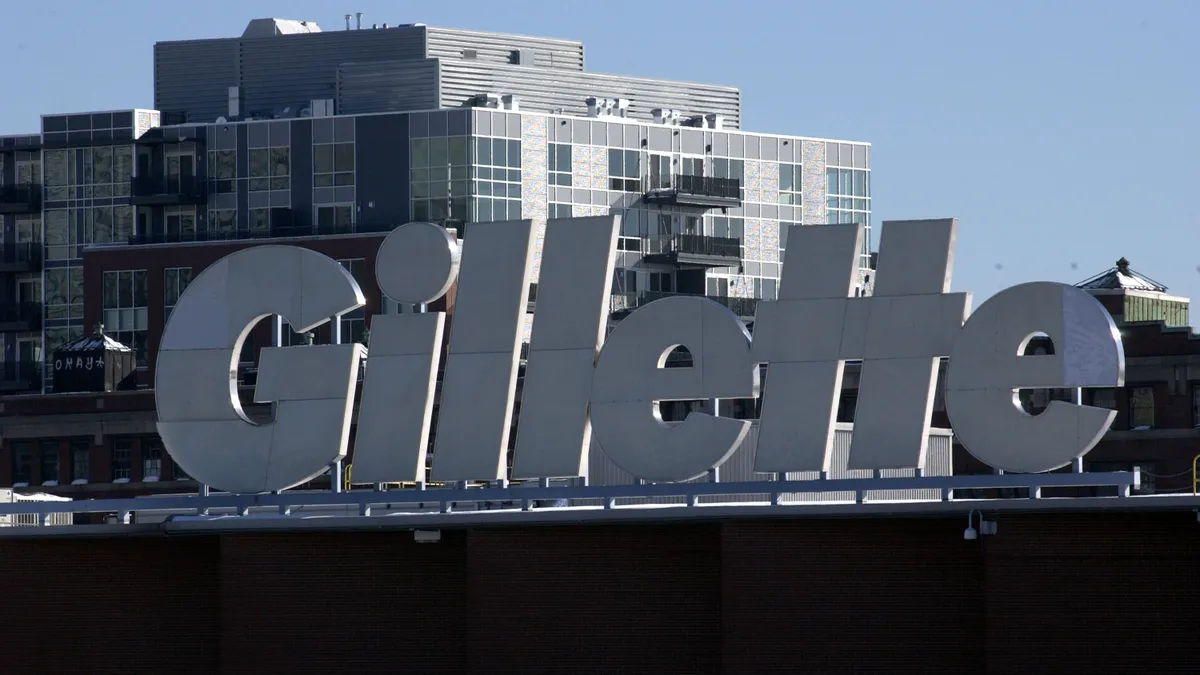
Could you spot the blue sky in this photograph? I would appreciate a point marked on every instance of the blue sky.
(1062, 134)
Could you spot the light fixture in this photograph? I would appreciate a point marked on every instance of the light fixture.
(986, 527)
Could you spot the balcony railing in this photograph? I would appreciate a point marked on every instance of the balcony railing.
(21, 256)
(268, 233)
(21, 376)
(167, 190)
(701, 191)
(694, 249)
(623, 303)
(20, 316)
(21, 198)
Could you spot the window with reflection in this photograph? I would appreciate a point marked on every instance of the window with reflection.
(152, 454)
(81, 455)
(59, 174)
(497, 179)
(439, 178)
(222, 224)
(175, 282)
(122, 459)
(123, 300)
(61, 239)
(64, 293)
(791, 179)
(222, 171)
(270, 169)
(1141, 407)
(333, 164)
(558, 164)
(335, 218)
(29, 168)
(179, 223)
(624, 170)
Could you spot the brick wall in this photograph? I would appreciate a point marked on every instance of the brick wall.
(1064, 593)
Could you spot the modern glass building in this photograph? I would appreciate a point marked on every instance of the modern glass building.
(290, 131)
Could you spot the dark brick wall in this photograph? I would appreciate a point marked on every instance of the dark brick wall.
(1100, 592)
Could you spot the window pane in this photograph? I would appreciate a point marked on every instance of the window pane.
(343, 157)
(323, 159)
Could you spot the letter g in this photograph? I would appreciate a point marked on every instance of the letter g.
(200, 417)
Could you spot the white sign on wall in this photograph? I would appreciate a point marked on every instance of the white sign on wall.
(578, 382)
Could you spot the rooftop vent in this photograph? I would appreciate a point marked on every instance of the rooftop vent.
(470, 54)
(258, 28)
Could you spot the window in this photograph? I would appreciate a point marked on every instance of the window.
(105, 224)
(50, 461)
(439, 177)
(790, 180)
(29, 168)
(333, 164)
(691, 166)
(222, 224)
(124, 302)
(660, 172)
(62, 233)
(179, 224)
(624, 170)
(729, 168)
(560, 210)
(152, 452)
(1104, 398)
(64, 293)
(222, 171)
(81, 454)
(122, 459)
(353, 325)
(22, 457)
(270, 169)
(175, 282)
(847, 194)
(1195, 405)
(59, 173)
(729, 227)
(497, 179)
(335, 219)
(559, 164)
(1141, 407)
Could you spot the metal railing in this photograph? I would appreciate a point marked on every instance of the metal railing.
(28, 194)
(708, 186)
(20, 311)
(694, 244)
(272, 232)
(21, 374)
(21, 252)
(155, 186)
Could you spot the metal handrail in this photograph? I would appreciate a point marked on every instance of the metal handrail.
(1195, 473)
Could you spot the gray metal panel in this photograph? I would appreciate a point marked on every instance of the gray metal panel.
(448, 43)
(545, 90)
(195, 76)
(382, 87)
(381, 171)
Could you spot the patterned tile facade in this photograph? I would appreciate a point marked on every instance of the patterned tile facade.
(534, 200)
(813, 158)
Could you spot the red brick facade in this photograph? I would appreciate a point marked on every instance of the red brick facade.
(1097, 592)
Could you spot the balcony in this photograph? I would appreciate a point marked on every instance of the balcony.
(20, 376)
(622, 304)
(18, 317)
(167, 191)
(696, 250)
(21, 198)
(699, 191)
(21, 257)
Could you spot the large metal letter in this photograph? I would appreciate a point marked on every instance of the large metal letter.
(417, 263)
(485, 348)
(987, 365)
(200, 417)
(630, 379)
(911, 322)
(553, 431)
(804, 339)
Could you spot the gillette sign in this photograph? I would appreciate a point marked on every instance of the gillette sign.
(580, 382)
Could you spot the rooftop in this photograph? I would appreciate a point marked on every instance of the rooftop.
(1121, 277)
